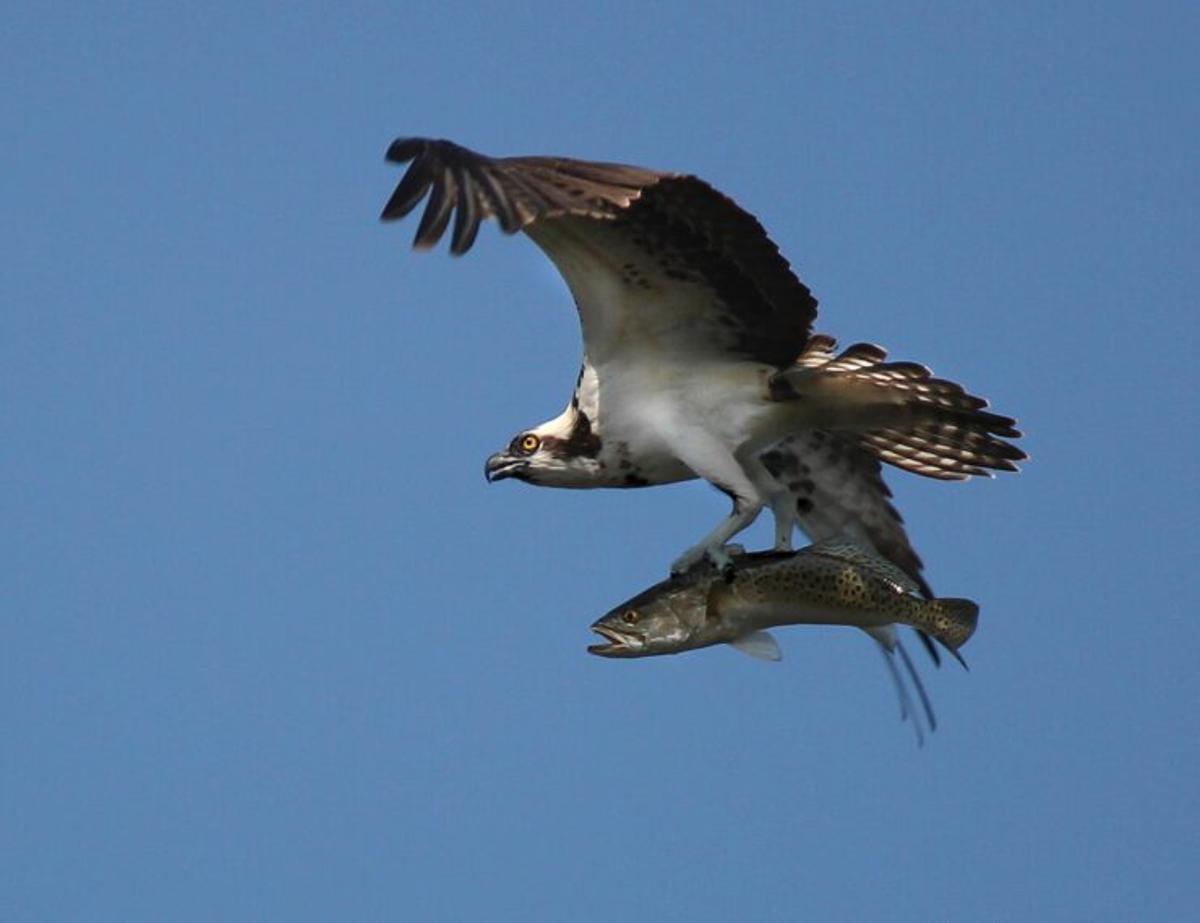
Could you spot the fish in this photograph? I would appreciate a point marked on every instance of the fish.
(835, 582)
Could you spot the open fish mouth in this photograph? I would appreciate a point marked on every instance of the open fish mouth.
(619, 643)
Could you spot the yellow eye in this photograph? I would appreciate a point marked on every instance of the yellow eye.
(529, 443)
(630, 616)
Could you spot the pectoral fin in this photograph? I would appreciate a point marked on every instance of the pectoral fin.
(758, 644)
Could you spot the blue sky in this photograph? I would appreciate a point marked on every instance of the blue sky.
(273, 649)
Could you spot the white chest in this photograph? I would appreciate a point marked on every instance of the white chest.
(653, 404)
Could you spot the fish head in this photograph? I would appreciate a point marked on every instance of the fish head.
(666, 619)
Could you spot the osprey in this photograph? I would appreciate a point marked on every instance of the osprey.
(699, 359)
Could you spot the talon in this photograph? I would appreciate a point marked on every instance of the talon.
(686, 561)
(716, 556)
(719, 557)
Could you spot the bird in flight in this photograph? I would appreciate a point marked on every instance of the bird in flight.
(699, 357)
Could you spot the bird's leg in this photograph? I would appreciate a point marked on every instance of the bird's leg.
(781, 478)
(736, 475)
(712, 546)
(784, 509)
(773, 493)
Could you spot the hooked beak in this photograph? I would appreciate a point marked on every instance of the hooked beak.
(619, 643)
(502, 465)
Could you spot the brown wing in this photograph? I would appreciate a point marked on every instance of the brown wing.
(517, 191)
(647, 254)
(939, 429)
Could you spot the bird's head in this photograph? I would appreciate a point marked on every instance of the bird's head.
(559, 453)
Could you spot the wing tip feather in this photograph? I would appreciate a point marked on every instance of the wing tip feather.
(402, 150)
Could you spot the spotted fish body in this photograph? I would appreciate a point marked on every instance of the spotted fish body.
(836, 584)
(830, 583)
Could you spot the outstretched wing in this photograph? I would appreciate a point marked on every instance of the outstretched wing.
(650, 257)
(517, 191)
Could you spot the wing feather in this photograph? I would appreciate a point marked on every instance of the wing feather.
(410, 190)
(466, 213)
(442, 198)
(938, 430)
(644, 252)
(517, 190)
(493, 200)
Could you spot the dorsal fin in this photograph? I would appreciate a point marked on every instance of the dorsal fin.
(850, 551)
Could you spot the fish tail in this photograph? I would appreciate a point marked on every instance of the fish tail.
(951, 621)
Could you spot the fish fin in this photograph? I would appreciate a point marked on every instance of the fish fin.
(852, 552)
(758, 644)
(955, 621)
(884, 634)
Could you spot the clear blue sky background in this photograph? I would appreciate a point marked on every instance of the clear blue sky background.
(271, 647)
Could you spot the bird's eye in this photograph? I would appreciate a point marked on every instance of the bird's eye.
(528, 443)
(630, 617)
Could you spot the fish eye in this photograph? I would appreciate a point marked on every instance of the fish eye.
(630, 616)
(527, 444)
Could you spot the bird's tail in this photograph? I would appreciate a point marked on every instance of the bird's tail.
(899, 411)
